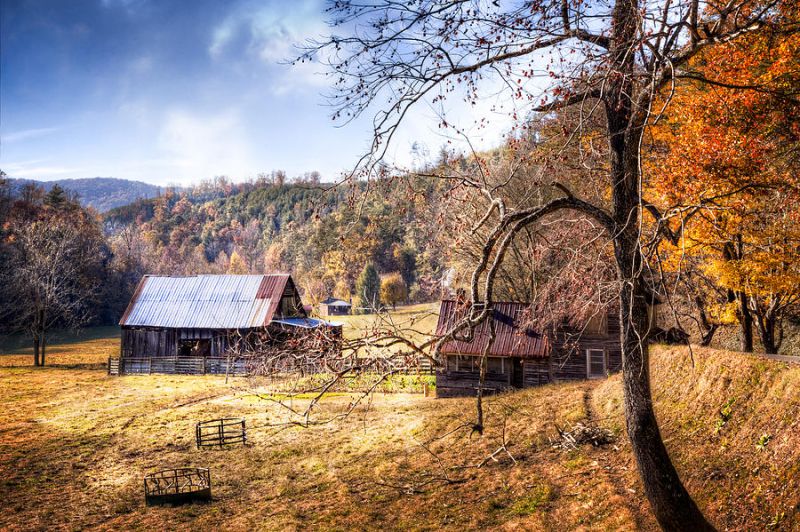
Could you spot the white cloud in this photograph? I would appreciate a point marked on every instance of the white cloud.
(27, 134)
(29, 170)
(200, 146)
(268, 34)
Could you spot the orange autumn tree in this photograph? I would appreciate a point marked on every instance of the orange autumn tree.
(731, 183)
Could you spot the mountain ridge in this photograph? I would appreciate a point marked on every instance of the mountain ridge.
(101, 193)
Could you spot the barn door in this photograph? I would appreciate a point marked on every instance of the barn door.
(517, 376)
(596, 363)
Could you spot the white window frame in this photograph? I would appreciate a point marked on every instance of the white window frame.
(589, 364)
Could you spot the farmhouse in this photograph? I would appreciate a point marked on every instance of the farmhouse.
(334, 307)
(203, 323)
(521, 357)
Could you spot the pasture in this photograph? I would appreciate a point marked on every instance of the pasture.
(76, 443)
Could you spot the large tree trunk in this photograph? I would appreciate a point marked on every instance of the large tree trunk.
(734, 250)
(44, 345)
(767, 325)
(745, 323)
(671, 503)
(36, 350)
(708, 329)
(708, 335)
(673, 507)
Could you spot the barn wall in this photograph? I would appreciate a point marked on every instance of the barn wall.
(140, 342)
(536, 371)
(568, 359)
(463, 383)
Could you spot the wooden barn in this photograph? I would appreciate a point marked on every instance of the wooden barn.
(335, 307)
(200, 323)
(520, 357)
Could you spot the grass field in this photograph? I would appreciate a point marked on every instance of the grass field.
(415, 320)
(92, 340)
(75, 444)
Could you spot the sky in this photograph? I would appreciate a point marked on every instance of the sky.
(177, 91)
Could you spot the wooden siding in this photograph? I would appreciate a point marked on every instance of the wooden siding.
(334, 310)
(464, 383)
(567, 361)
(568, 357)
(536, 372)
(151, 342)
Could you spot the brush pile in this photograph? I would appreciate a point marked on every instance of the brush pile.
(581, 434)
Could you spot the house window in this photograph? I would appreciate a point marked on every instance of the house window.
(596, 364)
(495, 365)
(463, 363)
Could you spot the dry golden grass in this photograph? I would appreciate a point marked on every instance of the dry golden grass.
(412, 319)
(89, 348)
(75, 444)
(732, 424)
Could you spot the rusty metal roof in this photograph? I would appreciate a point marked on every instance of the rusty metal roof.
(512, 337)
(205, 301)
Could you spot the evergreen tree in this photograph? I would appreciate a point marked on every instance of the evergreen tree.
(56, 198)
(368, 287)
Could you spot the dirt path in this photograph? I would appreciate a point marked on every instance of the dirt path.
(783, 358)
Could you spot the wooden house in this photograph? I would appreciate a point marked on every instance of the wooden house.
(335, 307)
(199, 323)
(521, 357)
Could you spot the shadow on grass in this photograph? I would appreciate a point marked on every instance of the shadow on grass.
(81, 366)
(21, 344)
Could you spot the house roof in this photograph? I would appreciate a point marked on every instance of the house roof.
(511, 337)
(205, 301)
(334, 302)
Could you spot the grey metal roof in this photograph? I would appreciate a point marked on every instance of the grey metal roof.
(333, 302)
(205, 301)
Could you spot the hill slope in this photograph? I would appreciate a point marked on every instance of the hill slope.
(100, 193)
(75, 444)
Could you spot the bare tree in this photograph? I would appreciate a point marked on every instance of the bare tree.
(618, 55)
(51, 278)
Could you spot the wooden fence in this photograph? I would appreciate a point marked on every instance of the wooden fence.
(240, 366)
(177, 366)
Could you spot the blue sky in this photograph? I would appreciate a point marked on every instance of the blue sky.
(172, 91)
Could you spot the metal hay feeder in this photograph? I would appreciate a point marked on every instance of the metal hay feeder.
(177, 486)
